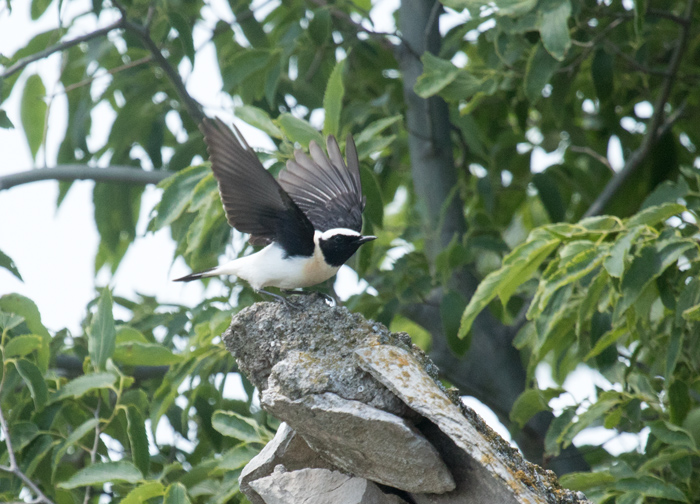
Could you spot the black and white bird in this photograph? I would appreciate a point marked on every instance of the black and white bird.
(310, 219)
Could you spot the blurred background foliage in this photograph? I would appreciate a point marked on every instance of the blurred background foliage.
(486, 130)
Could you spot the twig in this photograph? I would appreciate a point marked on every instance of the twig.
(194, 109)
(635, 160)
(668, 15)
(381, 36)
(111, 71)
(124, 174)
(23, 62)
(632, 62)
(95, 444)
(13, 467)
(587, 150)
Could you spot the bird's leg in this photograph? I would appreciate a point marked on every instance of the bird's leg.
(330, 299)
(282, 299)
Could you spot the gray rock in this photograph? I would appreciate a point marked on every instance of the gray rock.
(312, 350)
(287, 448)
(368, 402)
(364, 441)
(319, 486)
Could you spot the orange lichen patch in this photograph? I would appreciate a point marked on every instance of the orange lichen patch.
(524, 477)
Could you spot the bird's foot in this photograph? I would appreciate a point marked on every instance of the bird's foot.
(330, 300)
(286, 302)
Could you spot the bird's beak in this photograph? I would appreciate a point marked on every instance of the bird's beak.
(365, 239)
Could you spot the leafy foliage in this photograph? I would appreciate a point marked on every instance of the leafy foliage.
(522, 80)
(619, 295)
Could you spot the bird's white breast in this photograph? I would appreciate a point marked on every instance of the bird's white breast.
(270, 268)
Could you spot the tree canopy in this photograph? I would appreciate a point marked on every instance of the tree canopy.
(542, 152)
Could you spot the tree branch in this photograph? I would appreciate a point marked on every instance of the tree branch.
(23, 62)
(657, 121)
(124, 174)
(194, 109)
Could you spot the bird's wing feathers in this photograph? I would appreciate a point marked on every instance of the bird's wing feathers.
(254, 201)
(327, 191)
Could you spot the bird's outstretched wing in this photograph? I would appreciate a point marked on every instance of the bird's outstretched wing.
(327, 190)
(254, 201)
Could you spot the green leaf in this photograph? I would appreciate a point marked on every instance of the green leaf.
(568, 271)
(135, 353)
(579, 481)
(557, 429)
(374, 129)
(517, 268)
(655, 215)
(184, 32)
(672, 434)
(333, 100)
(33, 112)
(136, 430)
(375, 203)
(548, 191)
(437, 74)
(23, 345)
(554, 26)
(451, 308)
(237, 426)
(81, 430)
(176, 494)
(5, 122)
(243, 65)
(7, 263)
(126, 334)
(177, 194)
(9, 321)
(144, 492)
(101, 473)
(25, 308)
(602, 72)
(83, 384)
(35, 381)
(298, 130)
(102, 334)
(38, 8)
(651, 487)
(651, 262)
(692, 313)
(22, 433)
(259, 118)
(236, 457)
(60, 451)
(539, 70)
(605, 341)
(679, 401)
(615, 262)
(531, 402)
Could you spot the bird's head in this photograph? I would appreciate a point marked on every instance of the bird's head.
(339, 244)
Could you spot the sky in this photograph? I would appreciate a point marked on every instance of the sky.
(54, 250)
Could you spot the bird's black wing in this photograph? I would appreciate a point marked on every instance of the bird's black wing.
(328, 191)
(254, 201)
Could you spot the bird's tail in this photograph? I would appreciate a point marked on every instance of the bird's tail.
(197, 276)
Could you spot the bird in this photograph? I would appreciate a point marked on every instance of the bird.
(309, 219)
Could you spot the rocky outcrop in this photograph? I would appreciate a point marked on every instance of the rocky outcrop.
(367, 419)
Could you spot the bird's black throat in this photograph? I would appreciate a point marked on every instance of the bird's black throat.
(339, 248)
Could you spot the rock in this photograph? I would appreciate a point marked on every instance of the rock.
(367, 402)
(364, 441)
(312, 349)
(287, 448)
(487, 465)
(319, 486)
